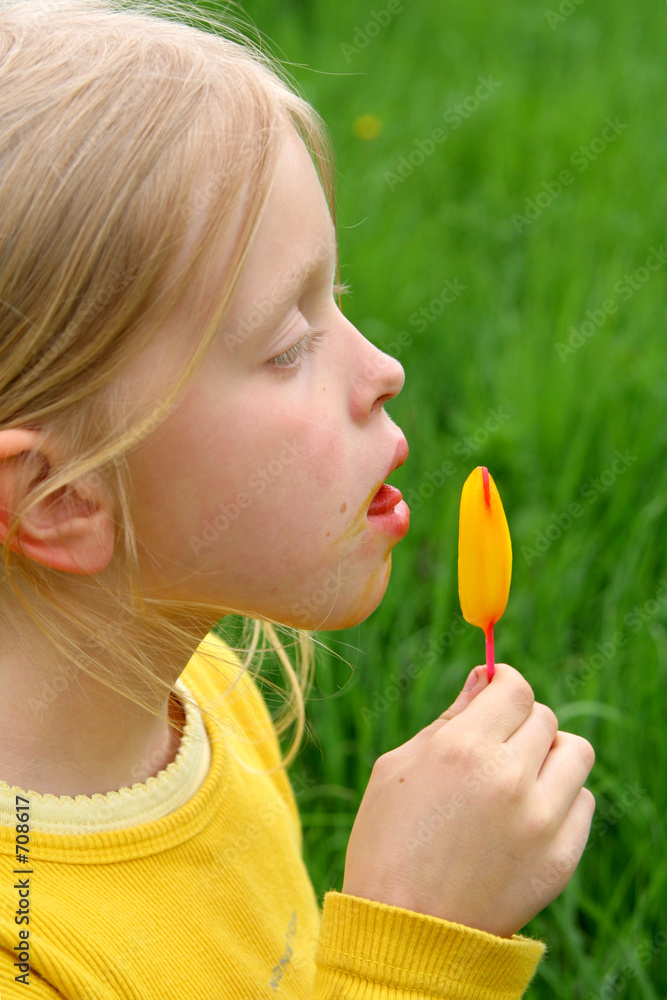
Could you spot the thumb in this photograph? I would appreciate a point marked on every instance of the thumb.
(477, 680)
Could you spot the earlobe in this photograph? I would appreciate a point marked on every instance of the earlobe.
(71, 529)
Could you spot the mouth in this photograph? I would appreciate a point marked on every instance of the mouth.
(387, 497)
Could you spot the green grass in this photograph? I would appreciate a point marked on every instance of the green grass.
(562, 420)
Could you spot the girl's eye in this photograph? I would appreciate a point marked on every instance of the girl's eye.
(291, 359)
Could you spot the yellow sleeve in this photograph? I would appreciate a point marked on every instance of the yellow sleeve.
(33, 986)
(369, 950)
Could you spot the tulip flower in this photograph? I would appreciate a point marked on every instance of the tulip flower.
(485, 556)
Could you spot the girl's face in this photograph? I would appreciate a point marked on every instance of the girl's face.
(253, 493)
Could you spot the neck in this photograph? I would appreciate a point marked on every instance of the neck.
(63, 732)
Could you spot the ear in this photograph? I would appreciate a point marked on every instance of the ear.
(72, 529)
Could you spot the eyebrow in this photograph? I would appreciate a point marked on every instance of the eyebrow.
(283, 288)
(296, 278)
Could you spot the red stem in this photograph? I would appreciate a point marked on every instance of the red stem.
(490, 661)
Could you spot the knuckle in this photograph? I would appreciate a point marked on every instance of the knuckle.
(564, 861)
(462, 753)
(586, 751)
(523, 693)
(559, 865)
(510, 783)
(549, 716)
(539, 823)
(588, 798)
(578, 747)
(381, 764)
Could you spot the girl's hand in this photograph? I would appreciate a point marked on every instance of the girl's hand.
(481, 818)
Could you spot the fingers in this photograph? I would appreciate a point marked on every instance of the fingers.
(573, 834)
(533, 740)
(502, 706)
(565, 769)
(476, 682)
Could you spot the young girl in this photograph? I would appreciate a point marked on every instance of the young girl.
(190, 427)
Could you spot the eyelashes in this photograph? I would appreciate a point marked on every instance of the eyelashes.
(291, 359)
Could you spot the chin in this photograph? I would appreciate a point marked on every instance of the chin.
(316, 614)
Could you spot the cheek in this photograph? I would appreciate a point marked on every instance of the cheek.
(288, 479)
(324, 466)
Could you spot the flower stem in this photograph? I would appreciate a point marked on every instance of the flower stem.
(490, 661)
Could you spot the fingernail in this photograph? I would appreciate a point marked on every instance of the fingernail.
(471, 681)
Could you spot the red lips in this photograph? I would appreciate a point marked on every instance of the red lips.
(385, 500)
(387, 497)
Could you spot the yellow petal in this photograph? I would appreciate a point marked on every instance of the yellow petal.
(485, 551)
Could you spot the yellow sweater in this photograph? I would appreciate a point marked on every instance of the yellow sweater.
(192, 886)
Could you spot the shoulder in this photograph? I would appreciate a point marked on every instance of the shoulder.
(225, 690)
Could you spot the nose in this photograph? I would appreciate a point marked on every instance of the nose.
(378, 379)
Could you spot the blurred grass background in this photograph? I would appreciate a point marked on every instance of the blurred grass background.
(586, 617)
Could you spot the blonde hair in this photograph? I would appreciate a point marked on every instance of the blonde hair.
(111, 113)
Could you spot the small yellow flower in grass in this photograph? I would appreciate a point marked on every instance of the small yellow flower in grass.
(367, 127)
(485, 556)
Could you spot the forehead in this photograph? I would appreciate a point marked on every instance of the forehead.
(295, 236)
